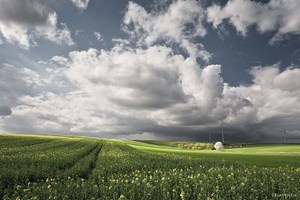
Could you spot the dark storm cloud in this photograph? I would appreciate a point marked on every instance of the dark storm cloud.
(5, 111)
(26, 12)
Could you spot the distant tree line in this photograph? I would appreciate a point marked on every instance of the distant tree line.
(194, 145)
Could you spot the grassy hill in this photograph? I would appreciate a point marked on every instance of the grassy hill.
(181, 144)
(270, 155)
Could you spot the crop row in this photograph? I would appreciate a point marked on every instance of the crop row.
(23, 164)
(84, 166)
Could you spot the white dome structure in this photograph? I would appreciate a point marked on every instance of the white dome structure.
(219, 146)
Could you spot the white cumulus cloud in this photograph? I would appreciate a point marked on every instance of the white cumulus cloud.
(98, 36)
(81, 4)
(180, 23)
(280, 16)
(21, 22)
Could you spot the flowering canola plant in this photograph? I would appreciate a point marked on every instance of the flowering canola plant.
(122, 172)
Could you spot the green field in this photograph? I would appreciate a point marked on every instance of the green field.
(57, 167)
(274, 155)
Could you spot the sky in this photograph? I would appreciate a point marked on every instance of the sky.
(161, 69)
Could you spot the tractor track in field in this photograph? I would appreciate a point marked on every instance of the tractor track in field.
(95, 160)
(60, 172)
(92, 164)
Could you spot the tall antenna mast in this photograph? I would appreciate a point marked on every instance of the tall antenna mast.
(284, 134)
(209, 136)
(222, 123)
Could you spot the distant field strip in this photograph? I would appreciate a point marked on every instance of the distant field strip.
(264, 156)
(8, 141)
